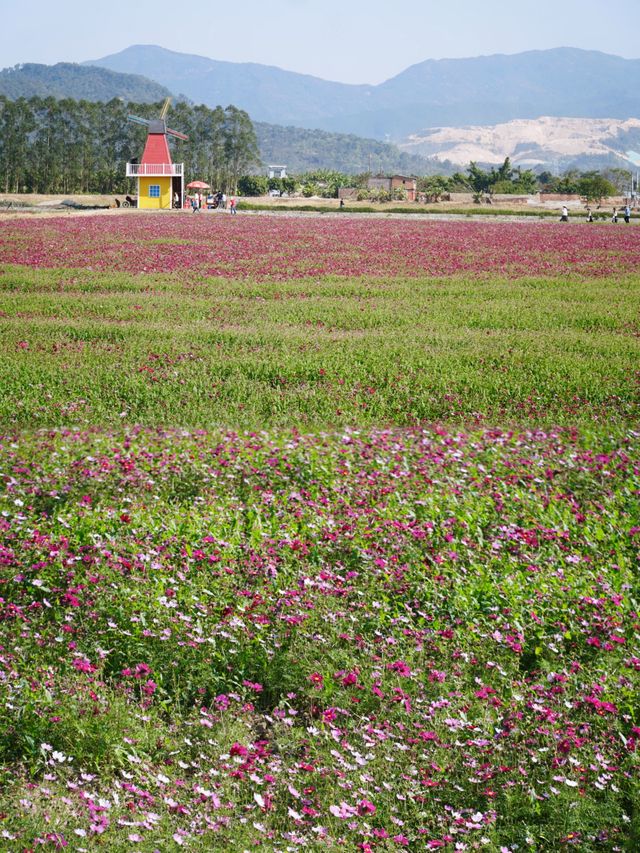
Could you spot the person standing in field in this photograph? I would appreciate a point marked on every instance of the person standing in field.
(589, 215)
(565, 214)
(232, 206)
(627, 214)
(614, 215)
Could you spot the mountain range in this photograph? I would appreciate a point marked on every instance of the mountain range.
(563, 82)
(456, 110)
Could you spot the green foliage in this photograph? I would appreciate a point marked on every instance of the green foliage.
(322, 182)
(434, 187)
(620, 178)
(593, 187)
(458, 183)
(274, 184)
(253, 185)
(568, 183)
(240, 145)
(67, 146)
(478, 180)
(288, 184)
(504, 180)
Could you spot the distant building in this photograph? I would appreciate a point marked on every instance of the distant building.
(395, 182)
(277, 171)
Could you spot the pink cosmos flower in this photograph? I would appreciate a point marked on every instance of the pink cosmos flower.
(366, 807)
(141, 670)
(329, 715)
(400, 667)
(83, 665)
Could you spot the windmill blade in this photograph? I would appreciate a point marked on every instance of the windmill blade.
(177, 134)
(165, 108)
(138, 120)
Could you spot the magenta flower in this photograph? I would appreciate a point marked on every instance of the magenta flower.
(400, 667)
(366, 807)
(83, 665)
(316, 679)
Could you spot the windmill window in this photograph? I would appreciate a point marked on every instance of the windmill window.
(154, 190)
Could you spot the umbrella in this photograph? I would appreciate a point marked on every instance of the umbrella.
(198, 185)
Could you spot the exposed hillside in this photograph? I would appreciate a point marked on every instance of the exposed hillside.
(306, 150)
(81, 82)
(575, 142)
(435, 93)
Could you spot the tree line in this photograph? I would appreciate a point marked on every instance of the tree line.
(510, 180)
(593, 186)
(67, 146)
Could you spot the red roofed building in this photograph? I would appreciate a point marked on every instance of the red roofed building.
(159, 179)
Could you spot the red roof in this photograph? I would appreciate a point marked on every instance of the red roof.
(156, 149)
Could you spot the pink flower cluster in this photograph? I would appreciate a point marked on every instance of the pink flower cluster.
(279, 248)
(367, 641)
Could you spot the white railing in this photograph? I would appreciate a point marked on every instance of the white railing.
(140, 170)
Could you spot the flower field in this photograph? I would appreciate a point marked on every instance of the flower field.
(319, 534)
(257, 321)
(285, 248)
(368, 641)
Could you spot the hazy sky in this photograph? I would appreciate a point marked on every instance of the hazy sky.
(354, 41)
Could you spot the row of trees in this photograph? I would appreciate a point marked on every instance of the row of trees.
(67, 146)
(592, 186)
(326, 183)
(320, 182)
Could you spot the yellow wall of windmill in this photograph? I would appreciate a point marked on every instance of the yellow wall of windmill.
(153, 202)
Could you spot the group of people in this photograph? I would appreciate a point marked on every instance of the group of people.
(626, 213)
(213, 201)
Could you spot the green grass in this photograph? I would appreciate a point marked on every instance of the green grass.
(102, 349)
(275, 354)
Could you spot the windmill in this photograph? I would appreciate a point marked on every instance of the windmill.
(159, 179)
